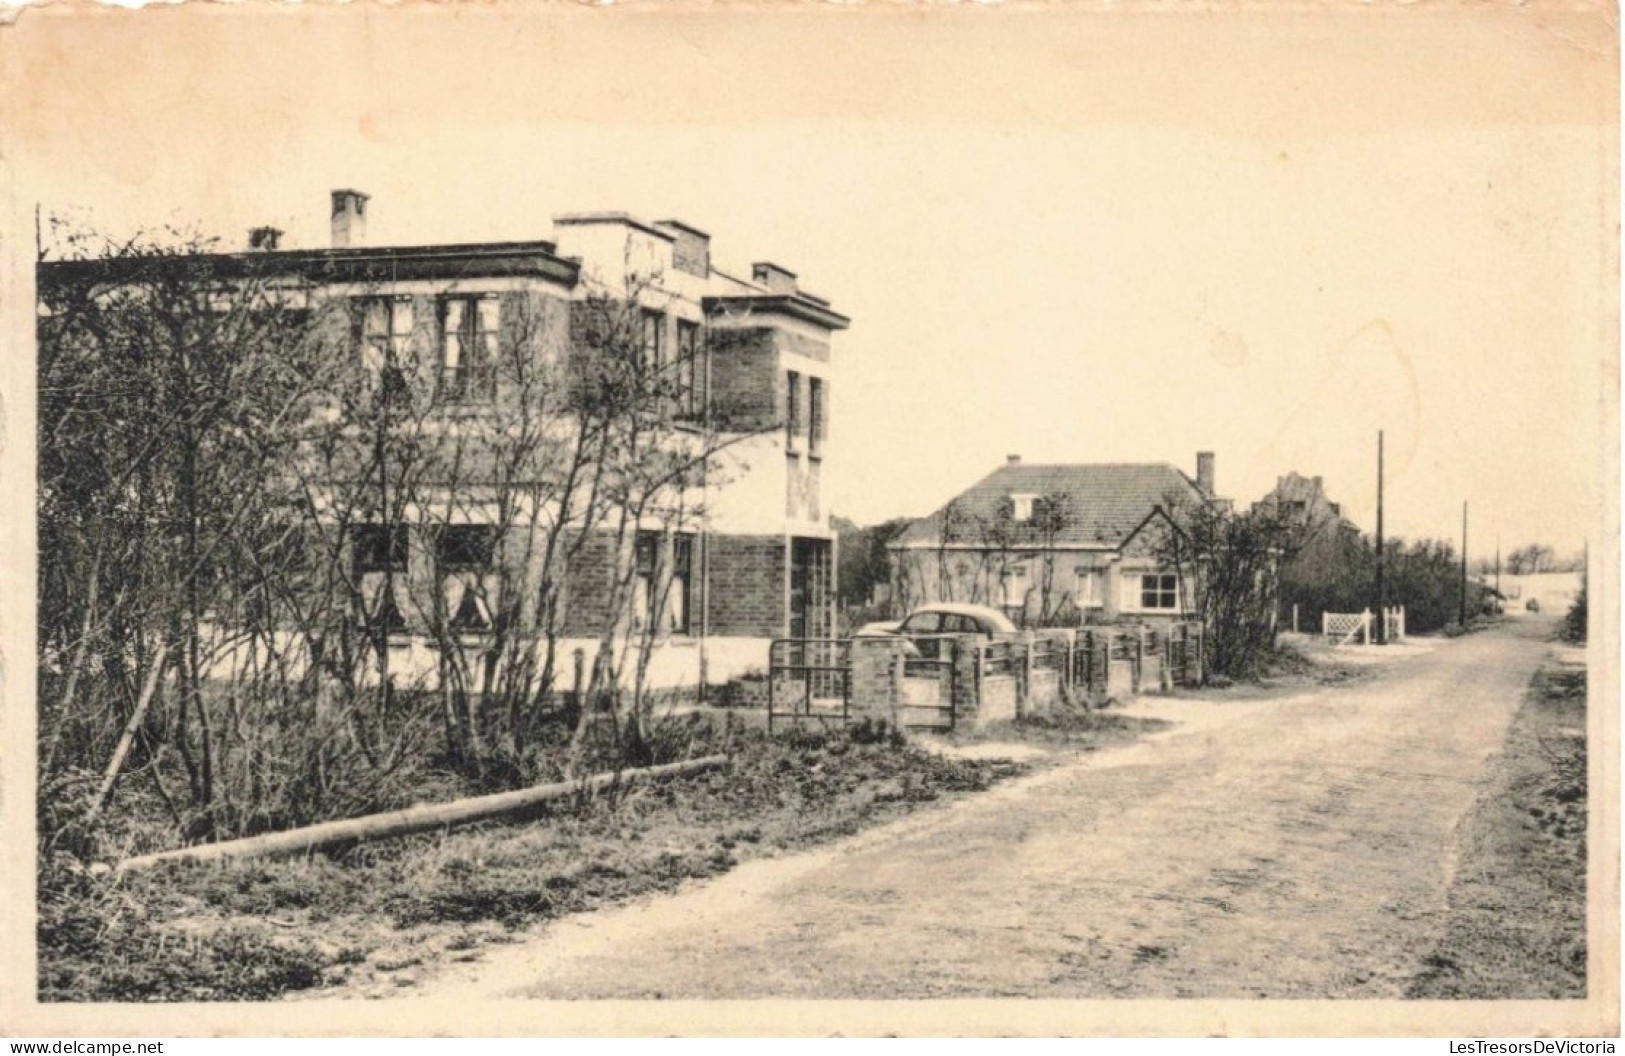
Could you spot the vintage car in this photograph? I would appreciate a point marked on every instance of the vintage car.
(925, 626)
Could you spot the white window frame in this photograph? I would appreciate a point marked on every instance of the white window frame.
(1090, 592)
(1135, 583)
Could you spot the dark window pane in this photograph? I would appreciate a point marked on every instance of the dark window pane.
(466, 546)
(646, 547)
(378, 548)
(470, 615)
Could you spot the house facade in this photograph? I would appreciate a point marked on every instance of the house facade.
(1324, 550)
(737, 551)
(1302, 503)
(1058, 544)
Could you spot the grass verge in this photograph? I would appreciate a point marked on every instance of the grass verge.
(375, 917)
(1074, 729)
(1516, 925)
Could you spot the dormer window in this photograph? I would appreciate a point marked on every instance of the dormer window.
(1021, 508)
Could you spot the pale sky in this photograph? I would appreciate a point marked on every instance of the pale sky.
(1080, 237)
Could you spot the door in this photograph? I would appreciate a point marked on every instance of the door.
(810, 593)
(810, 569)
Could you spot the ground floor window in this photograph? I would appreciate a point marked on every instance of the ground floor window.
(1089, 593)
(378, 559)
(663, 582)
(1014, 586)
(1159, 590)
(465, 555)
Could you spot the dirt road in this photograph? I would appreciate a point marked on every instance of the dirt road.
(1297, 847)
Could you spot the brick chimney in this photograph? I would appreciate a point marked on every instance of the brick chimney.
(1204, 472)
(264, 239)
(1012, 460)
(691, 250)
(349, 219)
(775, 278)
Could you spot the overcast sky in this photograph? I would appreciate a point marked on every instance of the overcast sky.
(1080, 238)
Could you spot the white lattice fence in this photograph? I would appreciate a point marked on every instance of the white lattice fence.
(1346, 626)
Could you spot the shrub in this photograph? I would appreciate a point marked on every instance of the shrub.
(1574, 624)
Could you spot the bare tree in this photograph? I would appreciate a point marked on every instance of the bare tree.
(1231, 563)
(168, 389)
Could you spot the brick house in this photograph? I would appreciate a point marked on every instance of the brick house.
(1325, 549)
(748, 556)
(1057, 544)
(1304, 503)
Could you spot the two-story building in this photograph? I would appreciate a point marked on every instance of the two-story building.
(744, 555)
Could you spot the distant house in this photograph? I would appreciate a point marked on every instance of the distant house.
(1057, 544)
(1326, 569)
(1303, 504)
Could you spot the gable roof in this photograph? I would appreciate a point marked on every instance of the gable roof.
(1317, 506)
(1104, 504)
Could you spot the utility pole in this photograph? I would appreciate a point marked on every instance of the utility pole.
(1464, 565)
(1382, 601)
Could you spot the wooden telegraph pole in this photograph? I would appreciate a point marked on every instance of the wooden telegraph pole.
(1382, 601)
(1463, 618)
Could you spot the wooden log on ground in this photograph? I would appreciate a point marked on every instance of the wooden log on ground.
(414, 819)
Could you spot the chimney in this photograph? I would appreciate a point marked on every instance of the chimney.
(1204, 472)
(691, 250)
(775, 278)
(264, 239)
(349, 219)
(1012, 460)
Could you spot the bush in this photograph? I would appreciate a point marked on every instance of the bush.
(1574, 624)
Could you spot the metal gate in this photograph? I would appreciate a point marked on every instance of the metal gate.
(809, 679)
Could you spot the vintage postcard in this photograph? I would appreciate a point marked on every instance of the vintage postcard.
(882, 518)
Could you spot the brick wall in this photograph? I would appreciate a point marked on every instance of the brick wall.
(875, 690)
(802, 345)
(586, 593)
(748, 586)
(746, 383)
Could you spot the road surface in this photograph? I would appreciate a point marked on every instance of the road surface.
(1291, 848)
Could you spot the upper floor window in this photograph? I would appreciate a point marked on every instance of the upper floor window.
(792, 411)
(651, 325)
(689, 403)
(1021, 508)
(815, 416)
(469, 331)
(385, 325)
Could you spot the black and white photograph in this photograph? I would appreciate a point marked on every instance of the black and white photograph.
(878, 518)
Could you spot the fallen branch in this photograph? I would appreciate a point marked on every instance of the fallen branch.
(414, 819)
(116, 764)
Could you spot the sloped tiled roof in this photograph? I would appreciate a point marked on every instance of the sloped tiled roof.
(1103, 504)
(1317, 506)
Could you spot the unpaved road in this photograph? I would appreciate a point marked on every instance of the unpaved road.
(1296, 847)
